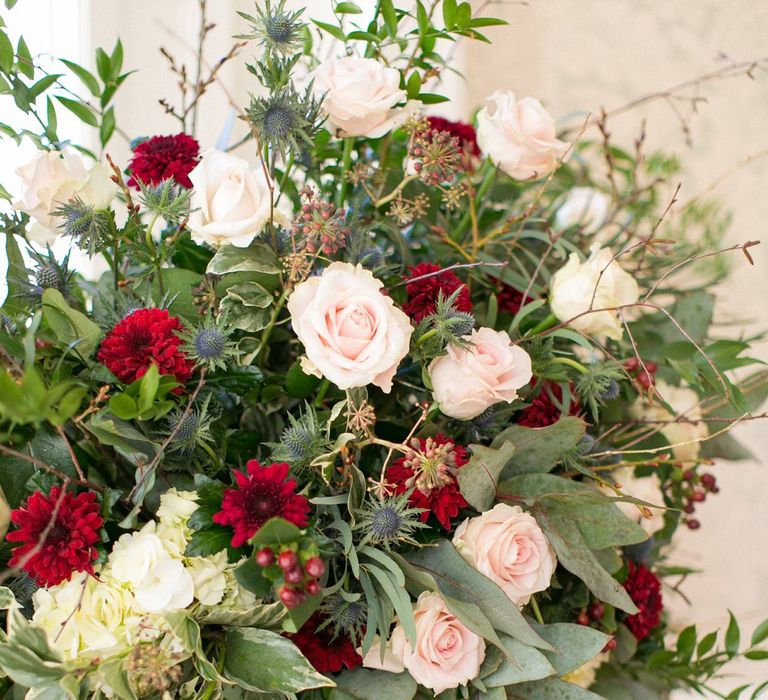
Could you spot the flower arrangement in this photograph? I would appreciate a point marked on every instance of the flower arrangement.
(374, 404)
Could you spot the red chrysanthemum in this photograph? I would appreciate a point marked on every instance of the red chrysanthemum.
(326, 654)
(143, 338)
(510, 299)
(429, 468)
(464, 132)
(423, 293)
(164, 157)
(543, 410)
(644, 588)
(68, 546)
(264, 493)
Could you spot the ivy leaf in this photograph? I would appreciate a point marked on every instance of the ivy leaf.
(210, 540)
(258, 257)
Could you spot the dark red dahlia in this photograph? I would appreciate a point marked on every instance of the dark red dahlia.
(644, 588)
(544, 410)
(264, 493)
(143, 338)
(510, 299)
(423, 293)
(326, 654)
(51, 553)
(464, 132)
(164, 157)
(429, 468)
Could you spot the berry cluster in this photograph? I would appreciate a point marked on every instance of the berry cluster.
(436, 156)
(697, 486)
(299, 579)
(595, 613)
(320, 226)
(644, 377)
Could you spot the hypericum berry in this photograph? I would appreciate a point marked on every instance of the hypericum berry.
(583, 619)
(699, 496)
(294, 575)
(265, 557)
(632, 364)
(708, 481)
(689, 508)
(290, 597)
(610, 645)
(645, 380)
(652, 367)
(714, 489)
(596, 610)
(689, 475)
(312, 587)
(287, 560)
(693, 524)
(315, 567)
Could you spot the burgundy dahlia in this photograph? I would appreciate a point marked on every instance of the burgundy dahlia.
(55, 546)
(143, 338)
(264, 493)
(423, 293)
(644, 588)
(510, 299)
(326, 654)
(543, 410)
(164, 157)
(429, 468)
(464, 132)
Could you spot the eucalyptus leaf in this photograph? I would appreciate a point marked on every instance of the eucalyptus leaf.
(479, 478)
(523, 663)
(367, 684)
(574, 645)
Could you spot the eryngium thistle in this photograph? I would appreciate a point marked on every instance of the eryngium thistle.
(301, 441)
(371, 258)
(347, 617)
(389, 520)
(285, 119)
(166, 199)
(209, 345)
(276, 29)
(460, 322)
(7, 324)
(50, 273)
(190, 430)
(90, 227)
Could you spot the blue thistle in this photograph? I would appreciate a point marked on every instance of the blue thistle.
(301, 441)
(389, 520)
(209, 345)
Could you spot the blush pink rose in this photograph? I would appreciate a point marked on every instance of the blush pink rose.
(519, 136)
(446, 655)
(353, 334)
(466, 382)
(508, 546)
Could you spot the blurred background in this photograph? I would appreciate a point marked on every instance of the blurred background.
(577, 57)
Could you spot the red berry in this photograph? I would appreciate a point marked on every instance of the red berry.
(699, 496)
(644, 380)
(294, 575)
(708, 481)
(652, 367)
(688, 508)
(693, 524)
(611, 644)
(689, 475)
(632, 364)
(287, 560)
(714, 489)
(596, 611)
(315, 567)
(582, 619)
(289, 597)
(265, 557)
(312, 587)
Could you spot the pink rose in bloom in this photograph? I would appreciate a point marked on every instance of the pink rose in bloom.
(519, 136)
(353, 334)
(507, 545)
(466, 382)
(447, 654)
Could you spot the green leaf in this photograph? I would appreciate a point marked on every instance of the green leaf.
(390, 16)
(299, 385)
(188, 631)
(247, 305)
(706, 644)
(238, 380)
(87, 78)
(24, 59)
(16, 271)
(449, 13)
(463, 16)
(430, 98)
(454, 577)
(574, 645)
(332, 29)
(148, 386)
(70, 327)
(413, 85)
(276, 531)
(258, 257)
(540, 449)
(686, 643)
(366, 684)
(251, 577)
(42, 85)
(6, 53)
(81, 110)
(479, 478)
(123, 406)
(550, 689)
(348, 8)
(208, 541)
(732, 636)
(108, 125)
(523, 663)
(262, 661)
(760, 634)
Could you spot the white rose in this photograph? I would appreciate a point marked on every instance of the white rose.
(686, 433)
(230, 202)
(135, 554)
(573, 286)
(585, 207)
(50, 179)
(352, 333)
(168, 586)
(508, 546)
(466, 382)
(360, 96)
(519, 136)
(209, 575)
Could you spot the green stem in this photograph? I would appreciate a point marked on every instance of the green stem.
(488, 178)
(272, 321)
(546, 324)
(536, 611)
(321, 393)
(571, 363)
(346, 161)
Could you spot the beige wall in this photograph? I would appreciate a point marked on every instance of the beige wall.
(579, 55)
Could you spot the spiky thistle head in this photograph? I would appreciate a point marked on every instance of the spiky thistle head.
(7, 323)
(598, 385)
(302, 441)
(90, 227)
(190, 429)
(209, 344)
(48, 273)
(446, 326)
(388, 520)
(372, 257)
(347, 616)
(166, 199)
(276, 29)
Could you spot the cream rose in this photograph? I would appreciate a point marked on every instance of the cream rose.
(49, 180)
(360, 96)
(574, 285)
(353, 334)
(686, 431)
(519, 136)
(585, 207)
(230, 202)
(508, 546)
(446, 654)
(466, 382)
